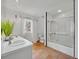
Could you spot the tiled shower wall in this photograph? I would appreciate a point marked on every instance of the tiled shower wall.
(61, 30)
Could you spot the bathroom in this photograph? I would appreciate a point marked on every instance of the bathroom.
(51, 23)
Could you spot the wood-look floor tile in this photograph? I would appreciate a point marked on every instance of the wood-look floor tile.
(42, 52)
(64, 56)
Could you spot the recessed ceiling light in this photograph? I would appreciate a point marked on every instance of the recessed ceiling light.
(17, 0)
(59, 11)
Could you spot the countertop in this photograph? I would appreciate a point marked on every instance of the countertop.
(17, 43)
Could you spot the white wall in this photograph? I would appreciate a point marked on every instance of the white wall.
(40, 26)
(8, 13)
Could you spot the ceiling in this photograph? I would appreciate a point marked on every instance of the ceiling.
(39, 7)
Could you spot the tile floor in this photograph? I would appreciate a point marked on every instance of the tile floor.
(42, 52)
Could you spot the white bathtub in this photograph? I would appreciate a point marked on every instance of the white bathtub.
(22, 50)
(61, 48)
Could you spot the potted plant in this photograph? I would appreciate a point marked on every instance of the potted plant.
(2, 27)
(2, 30)
(7, 28)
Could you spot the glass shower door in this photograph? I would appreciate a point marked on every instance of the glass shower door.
(61, 33)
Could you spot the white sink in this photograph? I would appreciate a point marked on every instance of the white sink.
(17, 41)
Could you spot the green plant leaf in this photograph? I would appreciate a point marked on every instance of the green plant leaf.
(8, 28)
(2, 27)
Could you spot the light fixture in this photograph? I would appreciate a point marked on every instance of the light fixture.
(17, 1)
(59, 11)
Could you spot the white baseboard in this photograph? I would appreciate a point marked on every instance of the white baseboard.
(61, 48)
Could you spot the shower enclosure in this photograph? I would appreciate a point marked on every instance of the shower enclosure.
(60, 31)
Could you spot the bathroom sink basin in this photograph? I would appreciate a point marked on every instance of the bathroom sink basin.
(17, 42)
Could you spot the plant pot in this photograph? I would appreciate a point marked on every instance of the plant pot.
(8, 39)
